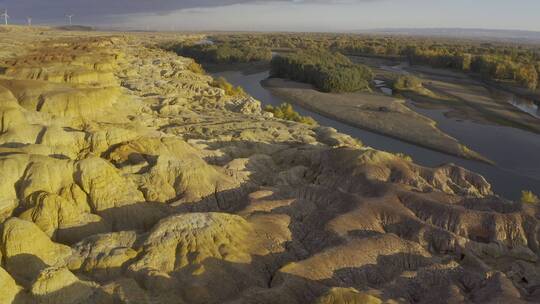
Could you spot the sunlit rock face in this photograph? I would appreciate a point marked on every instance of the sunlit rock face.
(128, 178)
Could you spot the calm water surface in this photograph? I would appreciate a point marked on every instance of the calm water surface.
(516, 152)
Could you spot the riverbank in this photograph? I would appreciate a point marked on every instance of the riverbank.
(516, 167)
(475, 100)
(374, 112)
(466, 97)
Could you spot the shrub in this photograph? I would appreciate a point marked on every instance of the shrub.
(196, 68)
(407, 82)
(229, 89)
(405, 157)
(528, 197)
(287, 112)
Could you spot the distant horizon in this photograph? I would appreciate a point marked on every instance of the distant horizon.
(486, 33)
(352, 31)
(179, 28)
(282, 15)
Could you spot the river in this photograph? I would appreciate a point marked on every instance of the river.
(516, 152)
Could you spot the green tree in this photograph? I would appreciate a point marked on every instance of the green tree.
(407, 82)
(466, 61)
(528, 76)
(327, 71)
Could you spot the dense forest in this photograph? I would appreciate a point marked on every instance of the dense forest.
(506, 62)
(327, 71)
(494, 67)
(222, 52)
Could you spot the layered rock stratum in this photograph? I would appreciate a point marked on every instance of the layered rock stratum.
(128, 178)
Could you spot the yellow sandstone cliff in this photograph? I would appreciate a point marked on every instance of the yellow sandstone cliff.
(127, 178)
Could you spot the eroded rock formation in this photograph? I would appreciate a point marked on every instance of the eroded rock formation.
(128, 178)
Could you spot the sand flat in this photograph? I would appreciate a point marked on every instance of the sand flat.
(375, 112)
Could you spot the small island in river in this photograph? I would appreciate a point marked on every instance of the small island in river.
(375, 112)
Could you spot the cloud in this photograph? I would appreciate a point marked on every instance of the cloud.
(92, 9)
(88, 10)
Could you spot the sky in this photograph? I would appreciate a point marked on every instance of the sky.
(281, 15)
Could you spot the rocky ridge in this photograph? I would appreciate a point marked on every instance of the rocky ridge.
(128, 178)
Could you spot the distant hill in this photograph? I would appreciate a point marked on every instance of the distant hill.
(13, 28)
(505, 35)
(78, 28)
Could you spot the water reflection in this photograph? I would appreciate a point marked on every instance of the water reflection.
(381, 85)
(205, 41)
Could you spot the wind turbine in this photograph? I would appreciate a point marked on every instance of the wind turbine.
(5, 15)
(29, 20)
(69, 16)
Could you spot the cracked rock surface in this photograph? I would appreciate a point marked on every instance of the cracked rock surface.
(128, 178)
